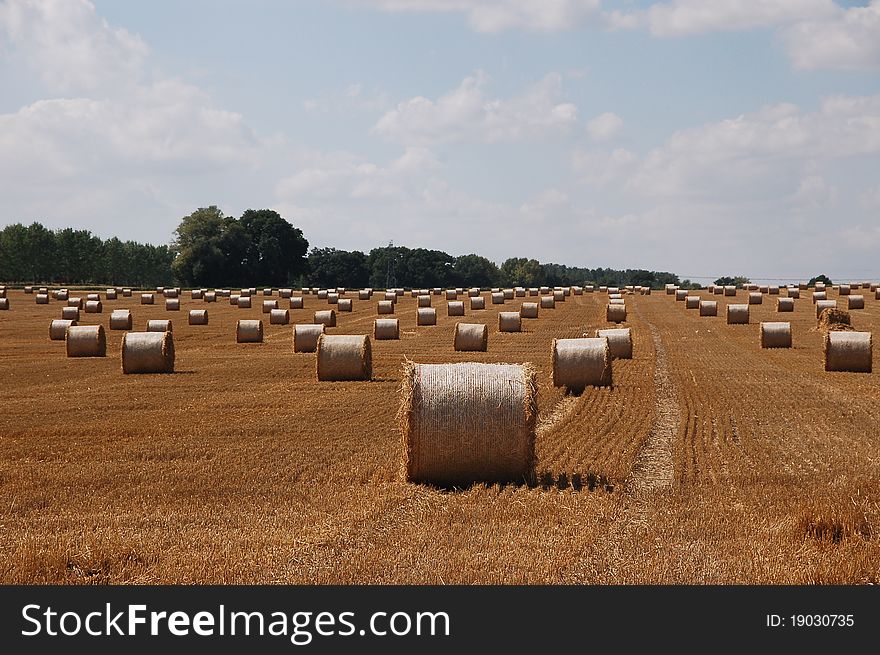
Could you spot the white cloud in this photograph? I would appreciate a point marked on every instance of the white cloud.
(847, 40)
(353, 98)
(467, 114)
(605, 127)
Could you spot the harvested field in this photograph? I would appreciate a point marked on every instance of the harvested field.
(774, 473)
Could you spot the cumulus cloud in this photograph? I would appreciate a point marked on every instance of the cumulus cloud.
(605, 127)
(846, 40)
(467, 113)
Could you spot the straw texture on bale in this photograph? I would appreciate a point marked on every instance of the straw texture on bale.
(498, 298)
(93, 296)
(4, 303)
(471, 337)
(234, 298)
(455, 308)
(363, 294)
(478, 303)
(825, 304)
(680, 294)
(426, 316)
(424, 301)
(717, 291)
(548, 302)
(581, 363)
(708, 308)
(469, 422)
(844, 290)
(40, 299)
(267, 292)
(775, 334)
(29, 289)
(785, 304)
(196, 294)
(147, 352)
(269, 305)
(126, 293)
(529, 310)
(75, 302)
(578, 291)
(819, 295)
(451, 294)
(391, 297)
(473, 292)
(385, 328)
(111, 294)
(344, 305)
(326, 316)
(86, 341)
(58, 328)
(773, 290)
(296, 302)
(120, 319)
(344, 357)
(305, 337)
(509, 322)
(332, 298)
(508, 294)
(730, 290)
(558, 296)
(210, 296)
(794, 292)
(692, 302)
(385, 307)
(244, 302)
(615, 313)
(70, 313)
(738, 314)
(159, 325)
(620, 343)
(279, 317)
(617, 301)
(848, 351)
(170, 293)
(832, 318)
(172, 304)
(619, 296)
(856, 301)
(198, 317)
(147, 299)
(249, 331)
(756, 298)
(94, 307)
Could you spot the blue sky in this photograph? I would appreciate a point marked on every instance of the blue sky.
(705, 137)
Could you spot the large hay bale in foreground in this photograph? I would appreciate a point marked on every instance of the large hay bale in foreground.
(326, 316)
(738, 314)
(708, 308)
(509, 322)
(775, 334)
(455, 308)
(279, 317)
(615, 313)
(469, 422)
(620, 343)
(529, 310)
(785, 304)
(344, 357)
(385, 307)
(86, 341)
(159, 325)
(848, 351)
(249, 331)
(385, 328)
(855, 301)
(581, 363)
(120, 319)
(305, 337)
(58, 328)
(71, 313)
(426, 316)
(471, 337)
(147, 352)
(478, 303)
(198, 317)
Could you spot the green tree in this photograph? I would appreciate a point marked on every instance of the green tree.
(276, 250)
(737, 281)
(820, 278)
(519, 271)
(329, 267)
(475, 271)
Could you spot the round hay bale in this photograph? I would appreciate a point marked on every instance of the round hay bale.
(529, 310)
(478, 303)
(160, 289)
(196, 294)
(855, 301)
(267, 292)
(391, 296)
(86, 341)
(819, 286)
(681, 294)
(589, 288)
(70, 313)
(111, 294)
(385, 307)
(285, 293)
(763, 288)
(120, 319)
(832, 318)
(498, 298)
(617, 301)
(730, 290)
(279, 317)
(469, 422)
(848, 351)
(738, 314)
(364, 294)
(670, 289)
(234, 298)
(451, 294)
(126, 292)
(794, 293)
(708, 308)
(58, 328)
(414, 293)
(825, 304)
(269, 305)
(508, 294)
(545, 290)
(344, 305)
(40, 299)
(844, 290)
(159, 325)
(455, 308)
(386, 328)
(756, 298)
(344, 357)
(172, 304)
(75, 302)
(29, 289)
(296, 302)
(615, 313)
(617, 289)
(170, 293)
(94, 307)
(819, 295)
(246, 293)
(620, 343)
(326, 316)
(244, 302)
(424, 301)
(718, 291)
(92, 296)
(559, 296)
(509, 322)
(147, 352)
(692, 302)
(581, 363)
(198, 317)
(305, 337)
(473, 292)
(210, 296)
(520, 292)
(471, 337)
(4, 304)
(775, 334)
(785, 304)
(619, 296)
(323, 294)
(249, 331)
(548, 302)
(876, 294)
(147, 299)
(773, 290)
(426, 316)
(578, 291)
(332, 298)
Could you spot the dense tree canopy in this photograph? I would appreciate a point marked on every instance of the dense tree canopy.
(329, 267)
(820, 278)
(736, 281)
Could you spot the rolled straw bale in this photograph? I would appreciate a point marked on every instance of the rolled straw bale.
(708, 308)
(364, 294)
(559, 296)
(785, 304)
(459, 290)
(344, 305)
(198, 317)
(773, 290)
(471, 337)
(160, 290)
(589, 288)
(249, 331)
(341, 291)
(268, 292)
(196, 294)
(580, 363)
(620, 343)
(245, 293)
(126, 292)
(529, 310)
(451, 294)
(617, 301)
(385, 328)
(819, 295)
(43, 290)
(147, 299)
(111, 294)
(498, 298)
(775, 334)
(41, 298)
(533, 291)
(670, 289)
(399, 292)
(718, 291)
(455, 308)
(730, 290)
(548, 302)
(305, 337)
(578, 291)
(794, 292)
(94, 307)
(738, 314)
(647, 291)
(756, 298)
(244, 302)
(844, 290)
(28, 289)
(58, 328)
(285, 293)
(615, 313)
(509, 322)
(692, 302)
(172, 304)
(834, 319)
(234, 298)
(710, 288)
(344, 357)
(160, 325)
(279, 317)
(390, 296)
(508, 294)
(93, 297)
(436, 291)
(469, 422)
(855, 301)
(619, 296)
(305, 290)
(120, 319)
(876, 294)
(473, 292)
(520, 292)
(848, 351)
(70, 313)
(681, 294)
(426, 316)
(147, 352)
(414, 293)
(86, 341)
(819, 286)
(478, 303)
(332, 298)
(825, 304)
(763, 288)
(543, 290)
(385, 307)
(269, 305)
(209, 296)
(323, 294)
(617, 289)
(424, 301)
(327, 317)
(170, 293)
(296, 302)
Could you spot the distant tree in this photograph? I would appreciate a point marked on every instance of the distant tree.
(276, 250)
(329, 267)
(203, 245)
(519, 271)
(820, 278)
(687, 284)
(476, 271)
(737, 281)
(417, 267)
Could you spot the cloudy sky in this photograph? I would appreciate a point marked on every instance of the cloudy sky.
(704, 137)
